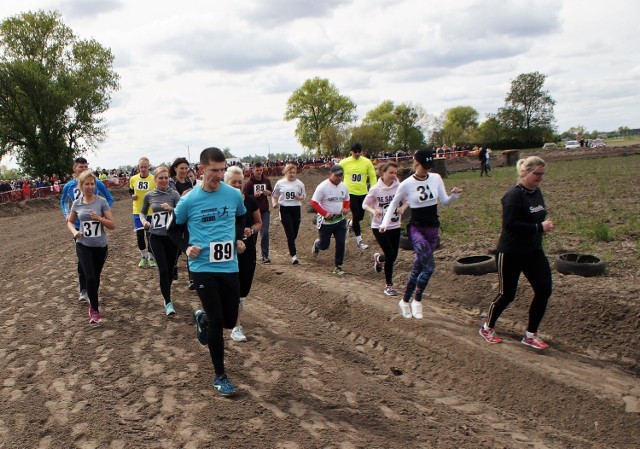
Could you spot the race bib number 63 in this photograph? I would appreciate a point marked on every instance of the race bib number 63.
(220, 251)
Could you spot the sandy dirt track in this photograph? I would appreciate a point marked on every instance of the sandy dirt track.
(329, 362)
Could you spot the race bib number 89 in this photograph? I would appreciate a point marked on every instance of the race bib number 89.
(220, 251)
(91, 229)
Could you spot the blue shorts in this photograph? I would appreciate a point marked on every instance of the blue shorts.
(137, 224)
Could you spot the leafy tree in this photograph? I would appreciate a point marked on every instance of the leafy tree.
(383, 120)
(333, 139)
(528, 110)
(9, 173)
(370, 137)
(491, 130)
(408, 131)
(53, 89)
(461, 124)
(317, 104)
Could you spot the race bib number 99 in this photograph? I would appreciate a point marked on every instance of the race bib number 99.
(289, 195)
(91, 229)
(220, 251)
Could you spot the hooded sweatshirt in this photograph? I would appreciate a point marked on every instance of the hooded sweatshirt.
(379, 197)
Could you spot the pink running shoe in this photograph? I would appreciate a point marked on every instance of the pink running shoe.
(95, 318)
(490, 335)
(534, 341)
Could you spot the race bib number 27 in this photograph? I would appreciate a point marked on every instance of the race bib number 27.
(221, 251)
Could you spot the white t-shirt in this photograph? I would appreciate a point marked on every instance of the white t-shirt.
(330, 196)
(286, 192)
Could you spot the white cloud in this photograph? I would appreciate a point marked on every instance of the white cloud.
(197, 73)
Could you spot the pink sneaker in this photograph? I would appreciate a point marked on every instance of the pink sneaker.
(534, 341)
(490, 335)
(95, 318)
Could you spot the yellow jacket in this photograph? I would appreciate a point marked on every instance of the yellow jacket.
(358, 173)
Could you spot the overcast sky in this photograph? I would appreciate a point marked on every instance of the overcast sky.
(198, 73)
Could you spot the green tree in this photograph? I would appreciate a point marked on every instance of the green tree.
(370, 137)
(528, 109)
(317, 104)
(53, 89)
(9, 173)
(227, 153)
(383, 120)
(460, 124)
(408, 133)
(491, 130)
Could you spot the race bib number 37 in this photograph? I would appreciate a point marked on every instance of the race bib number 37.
(220, 251)
(91, 229)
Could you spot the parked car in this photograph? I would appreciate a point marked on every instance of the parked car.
(572, 144)
(595, 143)
(550, 146)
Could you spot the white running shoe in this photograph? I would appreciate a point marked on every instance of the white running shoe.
(314, 249)
(294, 260)
(237, 334)
(405, 309)
(84, 296)
(416, 309)
(362, 245)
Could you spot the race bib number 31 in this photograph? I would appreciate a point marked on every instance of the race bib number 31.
(220, 251)
(91, 229)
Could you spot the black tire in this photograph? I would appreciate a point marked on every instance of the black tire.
(579, 264)
(475, 265)
(405, 242)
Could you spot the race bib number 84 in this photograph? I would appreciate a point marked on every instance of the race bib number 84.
(220, 251)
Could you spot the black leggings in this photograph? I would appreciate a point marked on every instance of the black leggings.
(290, 217)
(247, 266)
(92, 260)
(535, 268)
(140, 237)
(389, 242)
(219, 295)
(165, 253)
(357, 212)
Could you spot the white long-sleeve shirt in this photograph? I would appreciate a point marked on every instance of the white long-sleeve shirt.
(423, 197)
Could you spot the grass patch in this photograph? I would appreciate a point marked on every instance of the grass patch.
(591, 202)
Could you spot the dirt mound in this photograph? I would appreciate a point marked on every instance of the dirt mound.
(329, 361)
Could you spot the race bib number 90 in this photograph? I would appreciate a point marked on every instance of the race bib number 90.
(91, 229)
(220, 251)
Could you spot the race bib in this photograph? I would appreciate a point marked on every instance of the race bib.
(91, 229)
(143, 185)
(289, 195)
(221, 251)
(356, 177)
(259, 188)
(161, 220)
(385, 208)
(77, 194)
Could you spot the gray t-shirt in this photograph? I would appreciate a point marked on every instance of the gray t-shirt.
(93, 234)
(160, 218)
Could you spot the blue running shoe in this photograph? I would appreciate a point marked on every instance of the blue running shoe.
(224, 387)
(200, 318)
